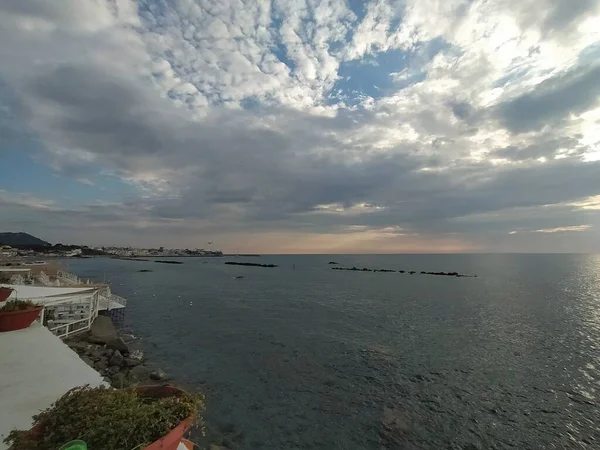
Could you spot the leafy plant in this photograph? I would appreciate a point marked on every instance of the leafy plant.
(116, 419)
(18, 305)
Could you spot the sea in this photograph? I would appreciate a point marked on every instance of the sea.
(301, 356)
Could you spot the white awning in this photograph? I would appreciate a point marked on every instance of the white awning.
(24, 292)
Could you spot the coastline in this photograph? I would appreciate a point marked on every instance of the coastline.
(118, 357)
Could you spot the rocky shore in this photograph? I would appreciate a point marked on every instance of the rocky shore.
(117, 357)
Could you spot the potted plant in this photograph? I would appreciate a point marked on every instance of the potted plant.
(5, 293)
(140, 418)
(18, 314)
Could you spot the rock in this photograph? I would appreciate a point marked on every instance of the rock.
(137, 355)
(88, 361)
(116, 359)
(140, 372)
(113, 369)
(217, 447)
(158, 375)
(118, 344)
(101, 364)
(118, 380)
(131, 362)
(78, 346)
(107, 380)
(96, 354)
(103, 330)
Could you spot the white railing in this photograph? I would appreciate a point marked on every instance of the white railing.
(68, 277)
(45, 279)
(66, 319)
(111, 301)
(118, 299)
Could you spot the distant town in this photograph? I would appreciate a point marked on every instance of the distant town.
(13, 245)
(134, 252)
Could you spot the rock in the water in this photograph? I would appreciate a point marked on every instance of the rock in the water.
(158, 375)
(128, 337)
(136, 355)
(140, 372)
(116, 359)
(103, 330)
(118, 344)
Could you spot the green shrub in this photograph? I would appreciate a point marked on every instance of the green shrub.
(18, 305)
(104, 418)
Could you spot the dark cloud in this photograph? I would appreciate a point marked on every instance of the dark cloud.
(462, 110)
(566, 14)
(552, 101)
(545, 148)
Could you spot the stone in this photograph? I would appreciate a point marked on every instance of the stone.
(217, 447)
(88, 361)
(118, 344)
(116, 359)
(131, 362)
(140, 372)
(106, 380)
(101, 364)
(158, 375)
(78, 346)
(135, 358)
(96, 354)
(103, 329)
(118, 380)
(113, 369)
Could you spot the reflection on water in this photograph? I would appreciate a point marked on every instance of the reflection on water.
(305, 357)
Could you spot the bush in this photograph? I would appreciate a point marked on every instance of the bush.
(18, 305)
(104, 418)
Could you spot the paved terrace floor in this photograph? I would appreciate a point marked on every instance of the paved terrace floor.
(36, 369)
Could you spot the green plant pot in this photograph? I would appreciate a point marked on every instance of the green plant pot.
(74, 445)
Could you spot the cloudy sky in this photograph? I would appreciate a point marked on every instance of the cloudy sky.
(303, 126)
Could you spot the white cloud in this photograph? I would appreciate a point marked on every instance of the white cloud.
(225, 106)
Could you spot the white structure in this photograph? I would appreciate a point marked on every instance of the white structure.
(67, 277)
(37, 369)
(71, 310)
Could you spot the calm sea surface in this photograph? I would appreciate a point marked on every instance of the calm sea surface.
(305, 357)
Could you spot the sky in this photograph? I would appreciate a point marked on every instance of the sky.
(303, 126)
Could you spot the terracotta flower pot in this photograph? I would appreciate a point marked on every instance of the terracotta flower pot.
(17, 320)
(5, 293)
(172, 439)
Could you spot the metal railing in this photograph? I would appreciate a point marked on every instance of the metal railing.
(67, 319)
(45, 279)
(68, 277)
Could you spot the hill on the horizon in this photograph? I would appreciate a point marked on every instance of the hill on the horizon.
(22, 240)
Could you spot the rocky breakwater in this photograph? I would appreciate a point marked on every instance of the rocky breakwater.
(114, 356)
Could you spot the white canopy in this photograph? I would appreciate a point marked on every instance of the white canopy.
(45, 295)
